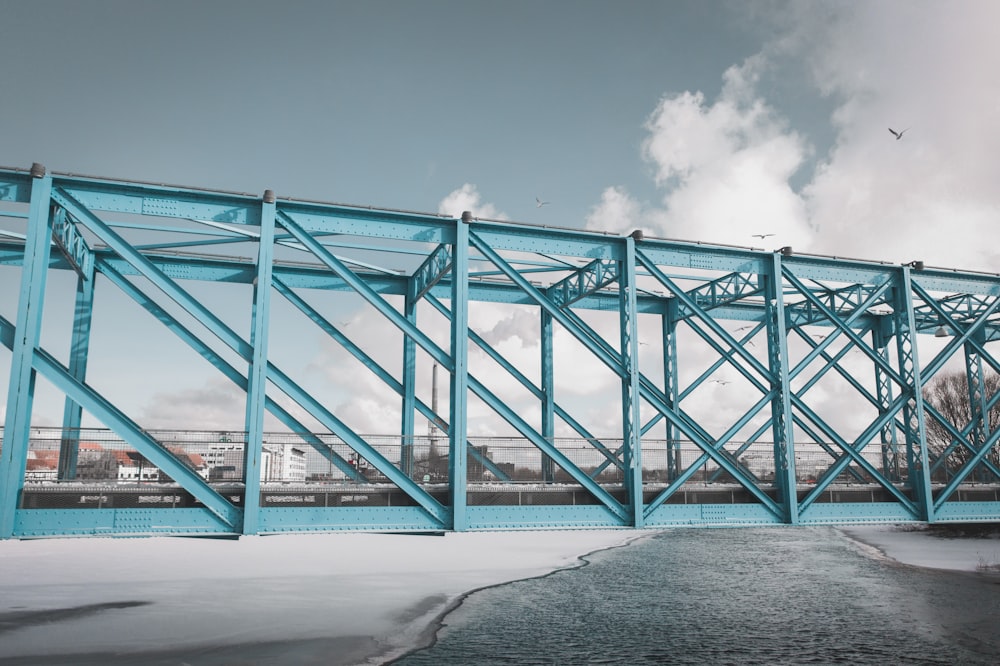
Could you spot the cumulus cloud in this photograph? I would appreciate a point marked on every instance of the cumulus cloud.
(931, 195)
(467, 198)
(498, 325)
(617, 213)
(217, 405)
(725, 165)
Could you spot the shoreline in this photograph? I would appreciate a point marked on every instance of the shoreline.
(944, 548)
(380, 597)
(431, 632)
(338, 599)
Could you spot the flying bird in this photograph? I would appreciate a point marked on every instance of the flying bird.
(898, 135)
(762, 236)
(539, 203)
(721, 381)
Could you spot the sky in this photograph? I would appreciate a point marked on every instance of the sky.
(708, 121)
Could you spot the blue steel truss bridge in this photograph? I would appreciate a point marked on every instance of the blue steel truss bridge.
(588, 380)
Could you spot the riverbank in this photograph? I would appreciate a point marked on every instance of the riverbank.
(345, 598)
(333, 599)
(953, 547)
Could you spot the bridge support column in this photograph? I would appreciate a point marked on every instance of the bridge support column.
(257, 373)
(631, 424)
(883, 386)
(458, 456)
(72, 412)
(978, 402)
(668, 324)
(781, 405)
(407, 425)
(548, 395)
(914, 430)
(21, 391)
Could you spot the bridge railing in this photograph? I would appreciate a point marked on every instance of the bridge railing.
(218, 456)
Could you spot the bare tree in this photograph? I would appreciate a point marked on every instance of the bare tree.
(949, 395)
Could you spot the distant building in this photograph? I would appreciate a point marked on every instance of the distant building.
(42, 465)
(288, 464)
(94, 462)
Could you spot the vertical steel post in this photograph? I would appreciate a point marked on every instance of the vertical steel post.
(458, 456)
(21, 391)
(548, 395)
(914, 428)
(257, 373)
(631, 423)
(668, 324)
(883, 386)
(80, 344)
(978, 408)
(407, 424)
(781, 405)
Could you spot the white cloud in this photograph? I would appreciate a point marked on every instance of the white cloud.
(518, 324)
(725, 166)
(617, 212)
(467, 198)
(217, 405)
(922, 66)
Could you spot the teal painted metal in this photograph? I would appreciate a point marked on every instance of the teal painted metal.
(458, 459)
(547, 392)
(37, 523)
(108, 414)
(21, 391)
(781, 404)
(631, 424)
(72, 412)
(818, 312)
(256, 403)
(409, 393)
(541, 393)
(914, 430)
(668, 331)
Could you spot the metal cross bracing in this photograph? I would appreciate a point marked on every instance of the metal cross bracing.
(592, 380)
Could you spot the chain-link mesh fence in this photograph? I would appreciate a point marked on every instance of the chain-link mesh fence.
(94, 468)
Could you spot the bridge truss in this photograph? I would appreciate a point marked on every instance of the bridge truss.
(746, 387)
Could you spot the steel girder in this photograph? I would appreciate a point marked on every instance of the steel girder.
(134, 234)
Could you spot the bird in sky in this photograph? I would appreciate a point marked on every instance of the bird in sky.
(762, 236)
(539, 203)
(721, 381)
(898, 135)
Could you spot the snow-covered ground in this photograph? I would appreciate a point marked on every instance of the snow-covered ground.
(362, 594)
(348, 598)
(932, 548)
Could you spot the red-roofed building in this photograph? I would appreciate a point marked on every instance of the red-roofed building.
(42, 465)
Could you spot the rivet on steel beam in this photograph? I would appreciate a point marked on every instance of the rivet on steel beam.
(268, 196)
(466, 217)
(37, 170)
(637, 235)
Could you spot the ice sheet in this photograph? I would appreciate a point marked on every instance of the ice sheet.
(133, 595)
(923, 547)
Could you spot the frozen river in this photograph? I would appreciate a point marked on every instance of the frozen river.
(369, 598)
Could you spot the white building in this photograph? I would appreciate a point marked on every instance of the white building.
(288, 463)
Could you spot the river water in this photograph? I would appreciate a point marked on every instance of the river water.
(794, 595)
